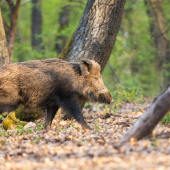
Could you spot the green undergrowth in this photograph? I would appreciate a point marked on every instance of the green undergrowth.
(166, 119)
(19, 131)
(3, 116)
(127, 94)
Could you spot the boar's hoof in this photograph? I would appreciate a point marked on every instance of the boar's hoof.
(85, 126)
(47, 128)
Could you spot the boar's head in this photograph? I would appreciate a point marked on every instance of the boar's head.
(93, 86)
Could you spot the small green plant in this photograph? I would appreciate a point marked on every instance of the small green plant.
(166, 119)
(30, 131)
(3, 116)
(126, 94)
(40, 126)
(87, 105)
(20, 132)
(37, 139)
(59, 130)
(72, 124)
(107, 109)
(96, 126)
(3, 133)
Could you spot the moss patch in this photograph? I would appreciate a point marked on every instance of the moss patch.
(64, 54)
(11, 122)
(21, 114)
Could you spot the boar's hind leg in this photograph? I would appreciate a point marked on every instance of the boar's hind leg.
(50, 113)
(71, 105)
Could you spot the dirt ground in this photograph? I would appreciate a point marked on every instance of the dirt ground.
(68, 147)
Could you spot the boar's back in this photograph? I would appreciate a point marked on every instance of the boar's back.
(38, 82)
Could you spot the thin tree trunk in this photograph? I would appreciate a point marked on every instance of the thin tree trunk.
(147, 122)
(159, 31)
(4, 56)
(61, 40)
(11, 31)
(36, 25)
(95, 35)
(114, 73)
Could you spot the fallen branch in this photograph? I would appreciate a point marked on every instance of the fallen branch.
(147, 122)
(159, 136)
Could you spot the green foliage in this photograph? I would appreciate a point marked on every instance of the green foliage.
(3, 116)
(96, 126)
(133, 56)
(166, 119)
(126, 94)
(21, 114)
(87, 105)
(41, 126)
(50, 29)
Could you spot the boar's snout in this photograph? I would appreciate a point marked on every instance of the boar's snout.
(112, 101)
(106, 98)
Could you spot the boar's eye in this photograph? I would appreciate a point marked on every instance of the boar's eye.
(96, 79)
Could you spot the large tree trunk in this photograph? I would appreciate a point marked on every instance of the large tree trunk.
(61, 40)
(95, 35)
(4, 56)
(159, 32)
(11, 31)
(36, 17)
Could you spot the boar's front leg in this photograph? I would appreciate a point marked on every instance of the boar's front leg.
(50, 113)
(71, 106)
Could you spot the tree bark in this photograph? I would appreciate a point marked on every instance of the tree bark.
(147, 122)
(36, 26)
(159, 32)
(4, 56)
(61, 40)
(95, 35)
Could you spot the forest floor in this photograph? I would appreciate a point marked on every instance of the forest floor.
(68, 147)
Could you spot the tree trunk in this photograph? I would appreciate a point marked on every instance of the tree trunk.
(159, 32)
(11, 31)
(4, 56)
(147, 122)
(95, 35)
(61, 40)
(36, 17)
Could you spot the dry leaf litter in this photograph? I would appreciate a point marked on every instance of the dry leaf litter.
(68, 147)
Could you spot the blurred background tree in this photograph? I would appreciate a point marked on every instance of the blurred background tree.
(4, 56)
(141, 52)
(36, 26)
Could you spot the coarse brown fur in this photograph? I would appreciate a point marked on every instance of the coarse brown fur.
(51, 84)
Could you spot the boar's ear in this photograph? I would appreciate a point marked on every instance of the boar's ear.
(85, 66)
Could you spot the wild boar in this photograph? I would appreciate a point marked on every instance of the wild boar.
(50, 84)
